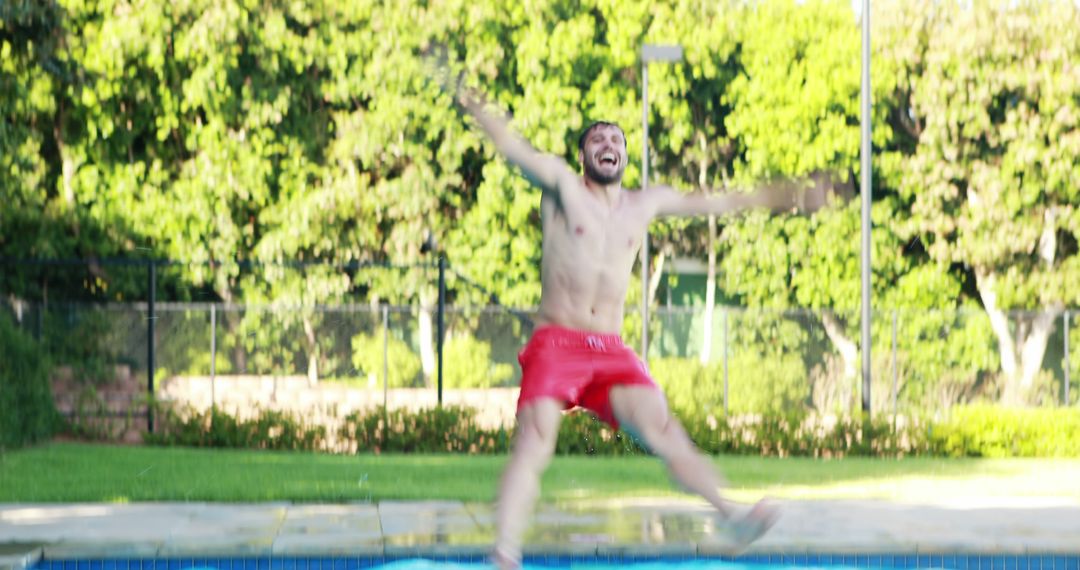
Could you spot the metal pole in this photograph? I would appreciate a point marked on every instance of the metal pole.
(385, 352)
(895, 373)
(441, 321)
(1067, 364)
(866, 200)
(644, 185)
(725, 361)
(213, 356)
(151, 317)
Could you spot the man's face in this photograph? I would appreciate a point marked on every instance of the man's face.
(604, 155)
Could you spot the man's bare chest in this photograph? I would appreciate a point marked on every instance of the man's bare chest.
(611, 234)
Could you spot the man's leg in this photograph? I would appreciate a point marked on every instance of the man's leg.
(643, 411)
(534, 444)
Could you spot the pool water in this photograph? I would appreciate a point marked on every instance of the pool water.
(696, 564)
(1055, 561)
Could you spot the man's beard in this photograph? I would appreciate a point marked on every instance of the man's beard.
(593, 174)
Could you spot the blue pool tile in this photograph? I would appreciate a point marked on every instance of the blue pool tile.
(1072, 563)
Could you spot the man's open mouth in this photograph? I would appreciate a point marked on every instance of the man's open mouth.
(609, 158)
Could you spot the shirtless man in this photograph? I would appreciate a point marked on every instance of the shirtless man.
(592, 229)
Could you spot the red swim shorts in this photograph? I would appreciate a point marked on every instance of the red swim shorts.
(578, 368)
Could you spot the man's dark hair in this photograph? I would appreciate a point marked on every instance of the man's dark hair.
(589, 129)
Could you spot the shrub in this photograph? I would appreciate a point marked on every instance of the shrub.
(469, 364)
(582, 434)
(449, 429)
(976, 431)
(270, 429)
(994, 431)
(688, 386)
(403, 365)
(29, 414)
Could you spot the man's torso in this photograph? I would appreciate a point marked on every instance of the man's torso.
(589, 248)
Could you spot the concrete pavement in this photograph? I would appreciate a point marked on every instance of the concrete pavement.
(29, 532)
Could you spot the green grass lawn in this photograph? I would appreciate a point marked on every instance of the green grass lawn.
(70, 472)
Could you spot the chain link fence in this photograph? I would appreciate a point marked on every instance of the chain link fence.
(741, 361)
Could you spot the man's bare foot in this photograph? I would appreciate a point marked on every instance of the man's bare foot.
(750, 527)
(503, 559)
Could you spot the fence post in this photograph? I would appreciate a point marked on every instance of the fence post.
(725, 362)
(441, 322)
(151, 317)
(895, 373)
(213, 357)
(385, 353)
(1067, 363)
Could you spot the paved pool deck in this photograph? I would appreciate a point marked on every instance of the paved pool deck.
(29, 532)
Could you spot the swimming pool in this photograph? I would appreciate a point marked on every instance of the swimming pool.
(476, 562)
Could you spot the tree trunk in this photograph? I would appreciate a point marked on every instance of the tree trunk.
(847, 348)
(68, 165)
(1021, 355)
(654, 278)
(313, 352)
(427, 337)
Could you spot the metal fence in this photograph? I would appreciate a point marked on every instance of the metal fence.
(740, 360)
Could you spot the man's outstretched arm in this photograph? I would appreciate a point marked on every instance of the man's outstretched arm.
(543, 170)
(806, 195)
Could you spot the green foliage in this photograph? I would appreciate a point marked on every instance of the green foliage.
(970, 431)
(1074, 358)
(994, 431)
(984, 185)
(691, 388)
(942, 355)
(402, 364)
(582, 434)
(29, 413)
(86, 339)
(269, 429)
(467, 364)
(448, 429)
(310, 131)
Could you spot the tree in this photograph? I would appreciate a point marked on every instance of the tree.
(996, 109)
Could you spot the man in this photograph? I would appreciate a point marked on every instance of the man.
(592, 230)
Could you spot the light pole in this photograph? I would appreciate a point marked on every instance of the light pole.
(649, 53)
(866, 195)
